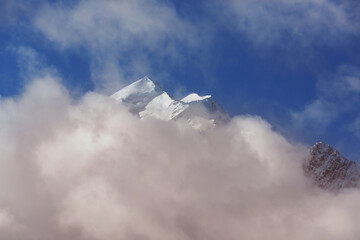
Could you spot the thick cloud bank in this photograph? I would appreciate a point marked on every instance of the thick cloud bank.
(88, 169)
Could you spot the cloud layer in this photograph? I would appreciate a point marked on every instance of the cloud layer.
(88, 169)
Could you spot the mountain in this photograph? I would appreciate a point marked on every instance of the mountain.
(147, 98)
(329, 169)
(139, 94)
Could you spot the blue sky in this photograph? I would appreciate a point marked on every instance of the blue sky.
(294, 63)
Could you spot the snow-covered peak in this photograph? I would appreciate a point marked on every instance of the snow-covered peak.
(138, 94)
(147, 98)
(143, 86)
(193, 97)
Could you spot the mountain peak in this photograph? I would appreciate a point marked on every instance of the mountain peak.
(146, 98)
(142, 86)
(321, 146)
(329, 169)
(138, 94)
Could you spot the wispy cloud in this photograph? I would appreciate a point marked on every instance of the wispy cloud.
(316, 116)
(31, 63)
(336, 94)
(282, 22)
(354, 127)
(113, 24)
(11, 10)
(120, 35)
(345, 83)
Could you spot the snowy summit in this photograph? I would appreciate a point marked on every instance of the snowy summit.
(146, 98)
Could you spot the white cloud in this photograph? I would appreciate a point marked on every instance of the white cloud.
(88, 169)
(283, 21)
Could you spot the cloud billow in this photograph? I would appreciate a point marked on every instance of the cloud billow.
(88, 169)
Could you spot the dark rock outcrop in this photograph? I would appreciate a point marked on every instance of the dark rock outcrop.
(330, 170)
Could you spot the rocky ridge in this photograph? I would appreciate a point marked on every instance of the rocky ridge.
(329, 169)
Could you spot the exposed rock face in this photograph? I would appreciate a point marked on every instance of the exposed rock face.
(330, 170)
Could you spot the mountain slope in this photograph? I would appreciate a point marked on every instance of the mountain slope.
(163, 107)
(205, 106)
(329, 169)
